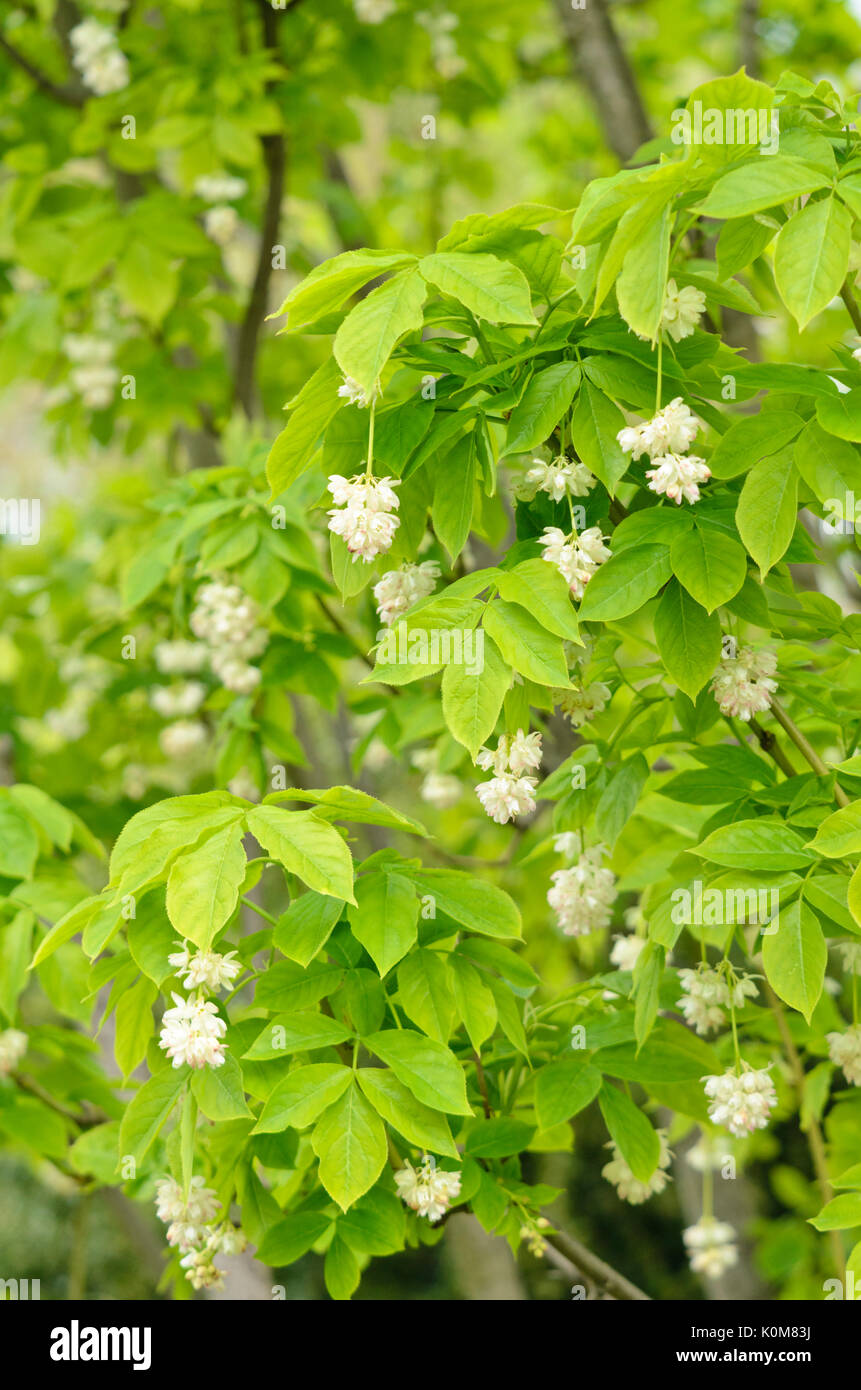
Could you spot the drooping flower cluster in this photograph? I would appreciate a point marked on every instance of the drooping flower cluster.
(629, 1188)
(707, 993)
(399, 589)
(743, 685)
(363, 513)
(192, 1032)
(448, 60)
(183, 740)
(192, 1230)
(582, 704)
(626, 951)
(532, 1235)
(665, 438)
(427, 1190)
(844, 1049)
(220, 188)
(711, 1246)
(741, 1102)
(221, 223)
(13, 1045)
(179, 700)
(95, 53)
(509, 793)
(682, 310)
(576, 556)
(582, 895)
(439, 789)
(373, 11)
(227, 620)
(850, 954)
(354, 394)
(563, 477)
(93, 375)
(206, 970)
(180, 657)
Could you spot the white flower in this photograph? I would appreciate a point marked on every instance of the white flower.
(219, 188)
(183, 739)
(175, 701)
(568, 843)
(201, 1272)
(441, 789)
(13, 1045)
(682, 310)
(374, 11)
(228, 621)
(362, 515)
(581, 705)
(582, 896)
(354, 394)
(850, 952)
(577, 557)
(741, 1103)
(221, 223)
(244, 785)
(95, 54)
(399, 589)
(626, 951)
(180, 657)
(96, 385)
(711, 1246)
(427, 1189)
(844, 1049)
(743, 685)
(235, 674)
(191, 1032)
(205, 969)
(707, 994)
(524, 752)
(89, 39)
(188, 1220)
(671, 431)
(678, 476)
(508, 794)
(629, 1188)
(562, 476)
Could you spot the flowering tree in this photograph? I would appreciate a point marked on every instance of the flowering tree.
(536, 532)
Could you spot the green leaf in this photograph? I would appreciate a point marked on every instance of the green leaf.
(525, 644)
(300, 1032)
(310, 413)
(302, 1097)
(473, 902)
(287, 987)
(306, 845)
(369, 333)
(498, 1137)
(350, 1142)
(688, 639)
(642, 284)
(329, 285)
(219, 1091)
(756, 844)
(454, 494)
(811, 257)
(474, 1002)
(753, 438)
(841, 415)
(350, 804)
(19, 843)
(290, 1239)
(472, 699)
(424, 988)
(594, 426)
(768, 509)
(794, 956)
(540, 589)
(763, 183)
(625, 582)
(619, 799)
(135, 1025)
(563, 1089)
(710, 565)
(490, 288)
(631, 1132)
(840, 833)
(148, 1110)
(426, 1067)
(306, 926)
(376, 1225)
(544, 402)
(341, 1270)
(204, 883)
(829, 466)
(840, 1214)
(419, 1125)
(385, 917)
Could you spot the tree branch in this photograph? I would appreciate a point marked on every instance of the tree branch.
(806, 749)
(600, 62)
(582, 1261)
(69, 96)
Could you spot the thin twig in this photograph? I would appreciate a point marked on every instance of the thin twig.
(805, 747)
(595, 1269)
(67, 95)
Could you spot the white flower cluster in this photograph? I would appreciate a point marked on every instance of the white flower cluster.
(179, 700)
(13, 1045)
(582, 895)
(206, 970)
(707, 993)
(682, 310)
(448, 61)
(192, 1031)
(373, 11)
(629, 1188)
(743, 685)
(532, 1235)
(427, 1190)
(354, 394)
(93, 373)
(741, 1102)
(563, 477)
(577, 557)
(844, 1049)
(665, 438)
(711, 1246)
(399, 589)
(98, 58)
(439, 789)
(509, 793)
(626, 951)
(182, 740)
(221, 223)
(363, 513)
(219, 188)
(180, 657)
(192, 1230)
(227, 620)
(582, 704)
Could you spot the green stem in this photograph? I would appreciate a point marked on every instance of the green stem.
(806, 749)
